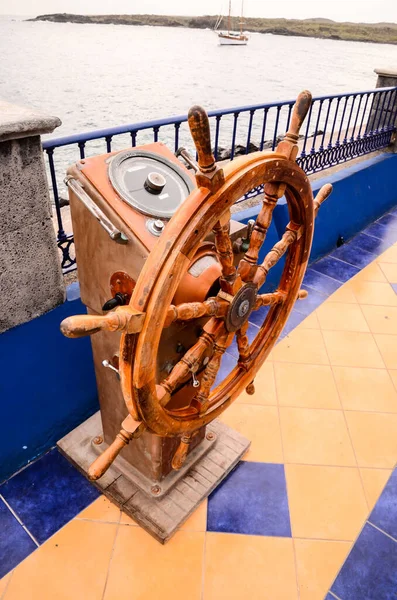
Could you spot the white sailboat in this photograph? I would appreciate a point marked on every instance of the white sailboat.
(230, 37)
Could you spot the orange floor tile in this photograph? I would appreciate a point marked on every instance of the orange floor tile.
(239, 566)
(317, 563)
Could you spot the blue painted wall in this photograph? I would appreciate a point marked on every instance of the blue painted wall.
(362, 193)
(47, 386)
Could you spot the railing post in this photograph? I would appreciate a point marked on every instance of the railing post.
(386, 78)
(31, 280)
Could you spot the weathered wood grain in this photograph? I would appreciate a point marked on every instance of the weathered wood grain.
(163, 516)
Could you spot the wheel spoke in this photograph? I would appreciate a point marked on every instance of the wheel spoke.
(224, 248)
(213, 307)
(273, 191)
(190, 362)
(278, 250)
(211, 371)
(269, 299)
(243, 344)
(248, 264)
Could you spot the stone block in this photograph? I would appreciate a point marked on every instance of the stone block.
(386, 78)
(23, 184)
(31, 281)
(21, 122)
(383, 109)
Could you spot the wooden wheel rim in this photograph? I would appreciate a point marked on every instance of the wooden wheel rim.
(169, 260)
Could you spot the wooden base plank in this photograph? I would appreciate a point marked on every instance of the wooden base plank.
(160, 516)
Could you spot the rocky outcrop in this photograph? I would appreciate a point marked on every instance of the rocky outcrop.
(385, 33)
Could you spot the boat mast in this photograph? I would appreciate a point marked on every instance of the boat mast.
(218, 22)
(229, 18)
(242, 18)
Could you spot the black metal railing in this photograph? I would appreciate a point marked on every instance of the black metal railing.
(338, 128)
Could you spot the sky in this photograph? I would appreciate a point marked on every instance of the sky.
(370, 11)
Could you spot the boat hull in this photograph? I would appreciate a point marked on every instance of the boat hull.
(230, 41)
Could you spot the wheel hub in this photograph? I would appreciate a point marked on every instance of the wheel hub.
(241, 307)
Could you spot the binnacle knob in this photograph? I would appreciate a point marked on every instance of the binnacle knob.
(155, 183)
(155, 226)
(158, 226)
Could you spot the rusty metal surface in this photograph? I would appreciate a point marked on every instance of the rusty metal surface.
(122, 283)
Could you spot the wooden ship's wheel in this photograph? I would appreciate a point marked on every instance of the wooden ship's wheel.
(206, 212)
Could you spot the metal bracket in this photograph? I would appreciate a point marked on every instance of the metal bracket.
(116, 235)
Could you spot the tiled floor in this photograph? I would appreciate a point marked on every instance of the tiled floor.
(302, 506)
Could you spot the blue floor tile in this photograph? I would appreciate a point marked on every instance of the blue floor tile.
(321, 283)
(227, 365)
(394, 286)
(48, 494)
(335, 268)
(384, 515)
(15, 544)
(368, 243)
(309, 304)
(370, 571)
(252, 500)
(257, 317)
(294, 320)
(354, 255)
(386, 234)
(390, 220)
(393, 211)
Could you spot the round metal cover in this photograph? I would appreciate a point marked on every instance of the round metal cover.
(241, 307)
(129, 171)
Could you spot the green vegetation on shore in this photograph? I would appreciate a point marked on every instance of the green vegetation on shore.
(383, 33)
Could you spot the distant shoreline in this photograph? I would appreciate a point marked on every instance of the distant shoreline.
(378, 33)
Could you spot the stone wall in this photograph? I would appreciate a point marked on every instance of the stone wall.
(31, 280)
